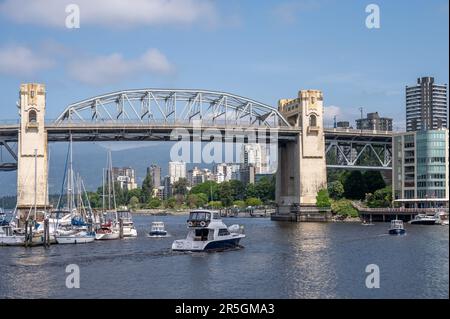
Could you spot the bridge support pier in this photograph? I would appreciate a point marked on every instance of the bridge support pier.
(301, 163)
(32, 168)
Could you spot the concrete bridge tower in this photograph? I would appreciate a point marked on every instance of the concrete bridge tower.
(32, 175)
(302, 163)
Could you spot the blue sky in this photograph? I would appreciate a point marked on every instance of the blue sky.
(264, 50)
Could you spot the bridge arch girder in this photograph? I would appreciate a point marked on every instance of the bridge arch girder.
(161, 106)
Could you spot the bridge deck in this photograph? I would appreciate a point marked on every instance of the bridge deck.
(158, 132)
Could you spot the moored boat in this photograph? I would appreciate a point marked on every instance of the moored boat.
(442, 218)
(81, 237)
(9, 238)
(106, 232)
(208, 232)
(423, 219)
(127, 223)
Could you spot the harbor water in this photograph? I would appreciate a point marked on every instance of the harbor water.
(278, 260)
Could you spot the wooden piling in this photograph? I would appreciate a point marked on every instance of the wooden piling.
(46, 233)
(26, 233)
(121, 228)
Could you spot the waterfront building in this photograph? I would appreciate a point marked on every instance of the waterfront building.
(125, 177)
(420, 169)
(158, 192)
(155, 172)
(167, 187)
(223, 172)
(197, 176)
(373, 121)
(255, 155)
(246, 174)
(177, 170)
(426, 105)
(343, 124)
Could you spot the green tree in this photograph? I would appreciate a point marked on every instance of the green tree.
(373, 181)
(147, 189)
(323, 199)
(381, 198)
(170, 203)
(253, 201)
(343, 207)
(196, 200)
(265, 189)
(180, 187)
(354, 186)
(239, 203)
(250, 191)
(215, 204)
(226, 194)
(137, 192)
(95, 199)
(238, 189)
(209, 188)
(336, 189)
(154, 203)
(134, 202)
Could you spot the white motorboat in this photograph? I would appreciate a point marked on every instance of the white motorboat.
(106, 232)
(81, 237)
(128, 226)
(397, 227)
(158, 230)
(208, 232)
(9, 238)
(442, 218)
(423, 219)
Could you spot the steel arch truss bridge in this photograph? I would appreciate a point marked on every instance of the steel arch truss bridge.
(8, 155)
(164, 106)
(359, 152)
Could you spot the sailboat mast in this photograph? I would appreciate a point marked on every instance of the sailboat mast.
(109, 180)
(70, 180)
(35, 184)
(103, 190)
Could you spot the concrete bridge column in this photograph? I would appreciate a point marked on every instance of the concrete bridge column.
(32, 175)
(302, 164)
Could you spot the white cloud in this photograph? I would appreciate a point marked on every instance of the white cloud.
(20, 60)
(330, 112)
(102, 70)
(111, 13)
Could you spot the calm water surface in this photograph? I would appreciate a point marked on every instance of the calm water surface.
(279, 260)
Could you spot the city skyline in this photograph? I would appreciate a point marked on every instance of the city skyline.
(367, 69)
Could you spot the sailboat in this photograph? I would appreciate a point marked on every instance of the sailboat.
(108, 228)
(79, 231)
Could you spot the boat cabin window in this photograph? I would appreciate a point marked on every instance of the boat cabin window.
(223, 232)
(201, 234)
(200, 216)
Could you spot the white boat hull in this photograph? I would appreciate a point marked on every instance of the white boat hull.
(12, 240)
(74, 239)
(107, 236)
(225, 243)
(129, 232)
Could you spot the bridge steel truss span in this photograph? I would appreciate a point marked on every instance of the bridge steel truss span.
(167, 106)
(8, 155)
(358, 151)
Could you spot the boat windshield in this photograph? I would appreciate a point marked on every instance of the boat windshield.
(396, 223)
(200, 216)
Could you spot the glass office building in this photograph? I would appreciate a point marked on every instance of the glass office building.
(421, 169)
